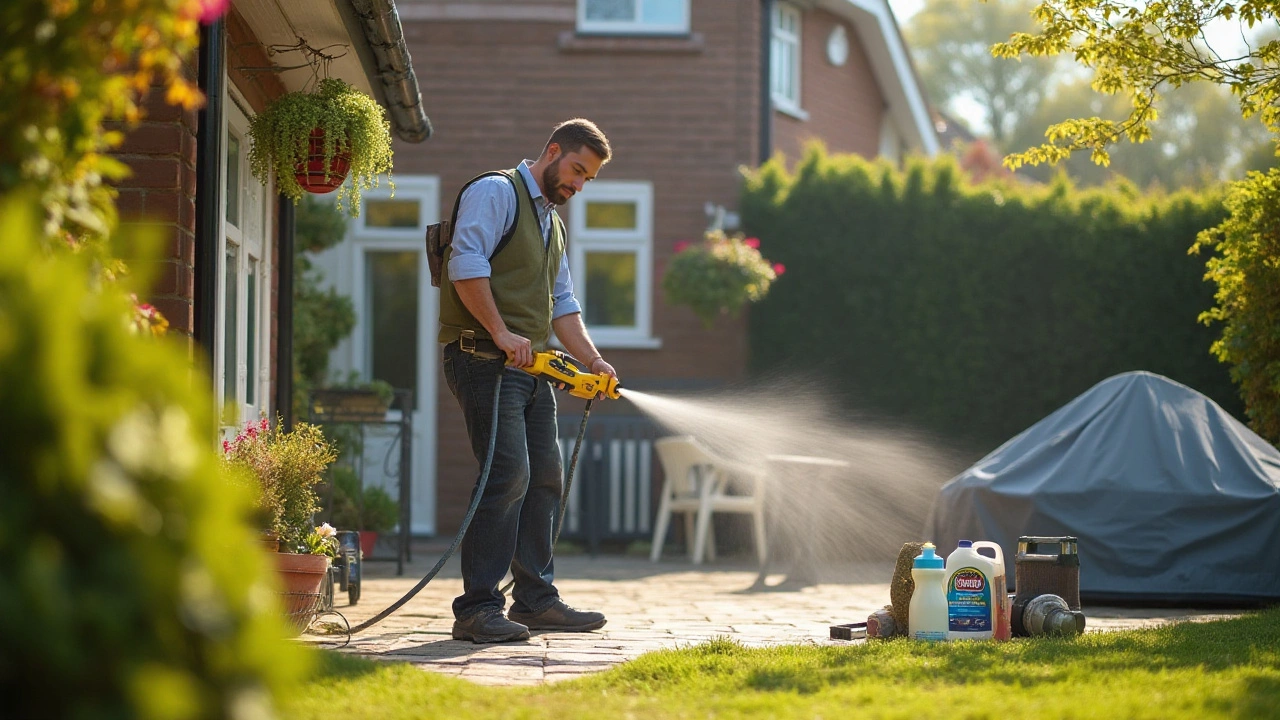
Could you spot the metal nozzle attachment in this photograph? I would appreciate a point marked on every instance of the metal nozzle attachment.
(1049, 615)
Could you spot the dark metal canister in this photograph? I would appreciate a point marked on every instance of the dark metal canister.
(1045, 566)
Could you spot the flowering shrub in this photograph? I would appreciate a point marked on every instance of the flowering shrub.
(287, 466)
(718, 275)
(323, 540)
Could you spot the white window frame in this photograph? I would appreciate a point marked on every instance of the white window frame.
(254, 237)
(785, 60)
(640, 241)
(631, 27)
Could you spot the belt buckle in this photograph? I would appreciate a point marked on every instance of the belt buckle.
(468, 336)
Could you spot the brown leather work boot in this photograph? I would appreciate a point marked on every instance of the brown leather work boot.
(561, 618)
(488, 626)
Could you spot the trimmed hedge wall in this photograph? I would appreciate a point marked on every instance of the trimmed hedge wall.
(975, 311)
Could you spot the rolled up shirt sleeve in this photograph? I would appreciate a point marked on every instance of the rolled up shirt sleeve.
(562, 292)
(484, 212)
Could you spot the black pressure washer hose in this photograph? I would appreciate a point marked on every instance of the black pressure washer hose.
(475, 503)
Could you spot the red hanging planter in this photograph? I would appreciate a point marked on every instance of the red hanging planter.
(311, 175)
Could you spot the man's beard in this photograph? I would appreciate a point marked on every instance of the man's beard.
(556, 193)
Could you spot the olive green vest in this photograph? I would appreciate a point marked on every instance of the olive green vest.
(522, 278)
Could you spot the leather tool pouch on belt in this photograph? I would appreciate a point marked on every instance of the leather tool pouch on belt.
(440, 235)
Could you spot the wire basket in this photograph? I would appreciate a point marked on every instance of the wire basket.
(302, 608)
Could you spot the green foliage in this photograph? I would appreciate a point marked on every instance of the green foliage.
(321, 317)
(371, 508)
(286, 466)
(976, 310)
(65, 68)
(132, 584)
(1246, 269)
(352, 123)
(1138, 50)
(718, 275)
(322, 540)
(1226, 669)
(950, 41)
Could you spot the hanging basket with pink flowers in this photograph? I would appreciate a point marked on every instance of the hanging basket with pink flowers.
(718, 275)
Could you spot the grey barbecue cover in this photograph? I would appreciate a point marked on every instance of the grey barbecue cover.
(1172, 499)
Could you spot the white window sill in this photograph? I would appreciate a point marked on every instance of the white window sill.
(786, 108)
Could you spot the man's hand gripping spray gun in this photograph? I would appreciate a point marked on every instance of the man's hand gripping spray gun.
(568, 374)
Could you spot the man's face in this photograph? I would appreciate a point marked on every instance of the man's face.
(566, 173)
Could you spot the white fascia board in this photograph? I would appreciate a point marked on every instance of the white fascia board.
(878, 31)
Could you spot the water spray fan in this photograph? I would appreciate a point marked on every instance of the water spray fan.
(562, 370)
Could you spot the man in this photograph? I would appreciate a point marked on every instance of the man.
(505, 287)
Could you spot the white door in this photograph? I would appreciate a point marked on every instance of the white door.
(382, 267)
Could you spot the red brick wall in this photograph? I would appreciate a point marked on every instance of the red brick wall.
(159, 196)
(845, 104)
(682, 114)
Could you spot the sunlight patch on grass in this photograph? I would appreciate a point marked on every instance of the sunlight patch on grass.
(1226, 669)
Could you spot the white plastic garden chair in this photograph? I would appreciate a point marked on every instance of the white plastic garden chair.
(697, 484)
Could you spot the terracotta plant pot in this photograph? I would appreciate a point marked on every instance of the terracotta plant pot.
(311, 174)
(367, 540)
(301, 577)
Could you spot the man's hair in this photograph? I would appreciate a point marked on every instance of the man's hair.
(573, 135)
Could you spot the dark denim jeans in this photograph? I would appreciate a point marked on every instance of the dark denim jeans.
(514, 522)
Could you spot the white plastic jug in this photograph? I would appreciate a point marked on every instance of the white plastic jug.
(977, 593)
(928, 610)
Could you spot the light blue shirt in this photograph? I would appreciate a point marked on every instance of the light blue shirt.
(485, 212)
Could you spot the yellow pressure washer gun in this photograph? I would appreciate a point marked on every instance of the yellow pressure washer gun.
(561, 369)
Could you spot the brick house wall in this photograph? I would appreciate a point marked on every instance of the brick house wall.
(680, 113)
(845, 104)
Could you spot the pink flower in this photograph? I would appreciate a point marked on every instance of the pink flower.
(682, 245)
(753, 243)
(206, 11)
(252, 431)
(226, 446)
(779, 268)
(262, 425)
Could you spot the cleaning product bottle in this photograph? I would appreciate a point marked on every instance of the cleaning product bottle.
(928, 610)
(977, 594)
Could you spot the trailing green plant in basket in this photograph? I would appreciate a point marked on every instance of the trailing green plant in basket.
(352, 124)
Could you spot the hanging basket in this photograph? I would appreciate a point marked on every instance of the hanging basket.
(312, 174)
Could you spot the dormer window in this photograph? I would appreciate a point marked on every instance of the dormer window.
(634, 17)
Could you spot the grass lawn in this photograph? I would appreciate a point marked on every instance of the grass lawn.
(1226, 669)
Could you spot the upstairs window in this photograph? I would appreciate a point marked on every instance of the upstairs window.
(634, 17)
(784, 73)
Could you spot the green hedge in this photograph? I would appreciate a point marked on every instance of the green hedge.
(970, 310)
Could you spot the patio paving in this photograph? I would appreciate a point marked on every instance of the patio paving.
(650, 606)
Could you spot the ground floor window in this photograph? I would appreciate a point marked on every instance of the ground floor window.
(611, 259)
(242, 367)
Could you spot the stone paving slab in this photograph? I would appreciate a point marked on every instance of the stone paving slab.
(650, 606)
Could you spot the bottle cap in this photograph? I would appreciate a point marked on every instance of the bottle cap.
(928, 559)
(965, 543)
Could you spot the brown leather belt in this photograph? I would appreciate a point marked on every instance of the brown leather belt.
(480, 347)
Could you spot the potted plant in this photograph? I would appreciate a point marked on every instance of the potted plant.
(285, 468)
(718, 275)
(369, 510)
(310, 141)
(353, 401)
